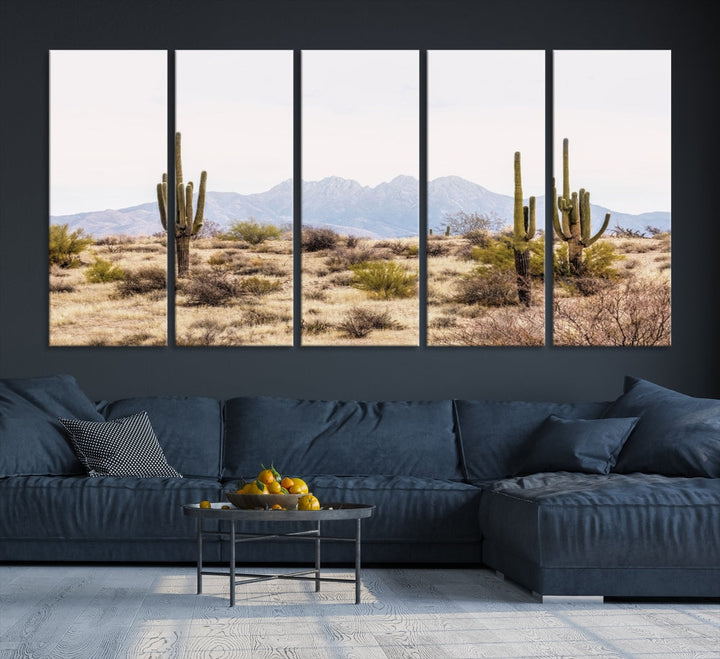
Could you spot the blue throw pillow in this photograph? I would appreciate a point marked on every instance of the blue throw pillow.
(32, 441)
(590, 446)
(677, 435)
(494, 434)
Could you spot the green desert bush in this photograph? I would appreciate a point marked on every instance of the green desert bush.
(65, 246)
(258, 286)
(383, 279)
(598, 261)
(150, 279)
(102, 271)
(252, 232)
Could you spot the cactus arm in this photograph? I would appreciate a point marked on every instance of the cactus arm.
(531, 223)
(602, 230)
(162, 200)
(200, 211)
(188, 207)
(519, 224)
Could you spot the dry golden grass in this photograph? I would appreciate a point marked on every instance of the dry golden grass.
(243, 295)
(93, 314)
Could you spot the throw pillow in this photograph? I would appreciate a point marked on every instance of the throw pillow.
(121, 447)
(590, 446)
(677, 435)
(32, 440)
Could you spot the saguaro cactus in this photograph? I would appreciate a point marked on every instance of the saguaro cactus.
(523, 233)
(575, 224)
(186, 226)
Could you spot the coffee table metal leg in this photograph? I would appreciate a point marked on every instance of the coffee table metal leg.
(199, 555)
(357, 561)
(317, 559)
(232, 562)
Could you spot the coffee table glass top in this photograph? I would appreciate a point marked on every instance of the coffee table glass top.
(329, 511)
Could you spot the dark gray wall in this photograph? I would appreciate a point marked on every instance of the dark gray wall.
(31, 27)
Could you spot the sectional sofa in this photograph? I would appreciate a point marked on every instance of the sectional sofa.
(616, 498)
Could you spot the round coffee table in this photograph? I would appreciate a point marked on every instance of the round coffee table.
(330, 512)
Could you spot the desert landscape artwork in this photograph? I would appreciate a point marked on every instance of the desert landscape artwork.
(233, 231)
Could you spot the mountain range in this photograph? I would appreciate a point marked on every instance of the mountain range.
(387, 210)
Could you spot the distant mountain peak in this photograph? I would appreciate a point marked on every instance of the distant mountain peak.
(387, 210)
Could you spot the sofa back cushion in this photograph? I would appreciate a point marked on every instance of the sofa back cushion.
(341, 438)
(189, 429)
(494, 434)
(32, 440)
(677, 435)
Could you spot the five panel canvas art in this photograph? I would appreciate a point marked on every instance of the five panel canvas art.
(392, 144)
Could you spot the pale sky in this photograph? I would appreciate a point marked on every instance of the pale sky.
(108, 117)
(360, 114)
(483, 106)
(360, 121)
(614, 107)
(234, 109)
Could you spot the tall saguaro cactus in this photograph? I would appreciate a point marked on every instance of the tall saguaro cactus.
(186, 226)
(523, 233)
(574, 226)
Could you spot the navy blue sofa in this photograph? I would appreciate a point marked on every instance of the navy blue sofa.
(607, 498)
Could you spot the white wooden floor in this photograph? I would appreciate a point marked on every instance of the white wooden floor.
(96, 612)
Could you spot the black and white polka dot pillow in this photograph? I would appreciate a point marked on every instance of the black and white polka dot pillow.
(120, 447)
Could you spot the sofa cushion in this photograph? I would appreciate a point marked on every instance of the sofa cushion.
(342, 438)
(614, 521)
(677, 435)
(189, 429)
(494, 434)
(121, 447)
(32, 440)
(584, 445)
(78, 509)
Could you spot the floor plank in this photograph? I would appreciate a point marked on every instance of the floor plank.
(135, 612)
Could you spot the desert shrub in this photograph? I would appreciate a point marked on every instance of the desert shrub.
(352, 241)
(342, 258)
(252, 232)
(64, 246)
(489, 287)
(257, 315)
(211, 290)
(499, 327)
(220, 261)
(477, 236)
(462, 223)
(359, 322)
(260, 266)
(598, 261)
(436, 248)
(143, 280)
(209, 229)
(61, 287)
(384, 279)
(258, 286)
(315, 326)
(634, 313)
(497, 252)
(315, 239)
(102, 271)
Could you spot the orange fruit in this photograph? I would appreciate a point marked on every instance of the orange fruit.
(299, 487)
(277, 506)
(287, 483)
(266, 476)
(274, 488)
(308, 502)
(205, 504)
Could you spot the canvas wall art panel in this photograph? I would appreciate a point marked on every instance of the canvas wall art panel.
(107, 250)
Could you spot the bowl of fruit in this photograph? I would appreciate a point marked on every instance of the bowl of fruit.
(269, 491)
